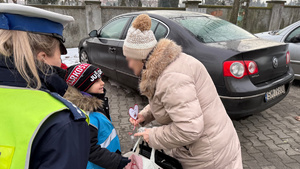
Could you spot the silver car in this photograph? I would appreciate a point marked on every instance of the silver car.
(290, 35)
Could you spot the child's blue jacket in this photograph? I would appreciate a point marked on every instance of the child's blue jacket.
(106, 135)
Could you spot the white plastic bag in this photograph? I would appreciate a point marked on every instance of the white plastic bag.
(140, 162)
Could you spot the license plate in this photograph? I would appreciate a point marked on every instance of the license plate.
(272, 94)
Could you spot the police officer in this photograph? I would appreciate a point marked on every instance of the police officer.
(38, 128)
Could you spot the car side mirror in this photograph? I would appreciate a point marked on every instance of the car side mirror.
(93, 33)
(295, 39)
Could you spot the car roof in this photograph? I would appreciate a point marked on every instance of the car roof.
(292, 26)
(168, 13)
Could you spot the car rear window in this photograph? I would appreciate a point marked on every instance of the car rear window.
(160, 32)
(212, 29)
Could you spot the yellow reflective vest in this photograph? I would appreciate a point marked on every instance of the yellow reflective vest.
(22, 113)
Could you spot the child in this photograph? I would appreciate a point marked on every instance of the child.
(105, 149)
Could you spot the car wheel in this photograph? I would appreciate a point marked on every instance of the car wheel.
(83, 57)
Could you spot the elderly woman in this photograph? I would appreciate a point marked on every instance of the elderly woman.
(183, 98)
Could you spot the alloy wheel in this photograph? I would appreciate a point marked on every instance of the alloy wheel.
(84, 57)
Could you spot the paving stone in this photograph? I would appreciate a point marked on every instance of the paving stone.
(261, 136)
(284, 157)
(288, 123)
(295, 145)
(293, 165)
(292, 120)
(269, 167)
(275, 115)
(238, 124)
(270, 125)
(281, 134)
(245, 121)
(261, 118)
(121, 103)
(272, 146)
(286, 129)
(246, 156)
(265, 115)
(251, 127)
(260, 159)
(247, 133)
(267, 152)
(114, 117)
(252, 164)
(114, 106)
(256, 142)
(276, 139)
(245, 166)
(294, 130)
(250, 149)
(296, 157)
(256, 123)
(278, 163)
(125, 108)
(265, 130)
(125, 120)
(274, 121)
(290, 151)
(295, 136)
(242, 138)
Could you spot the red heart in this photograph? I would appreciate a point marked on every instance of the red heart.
(133, 112)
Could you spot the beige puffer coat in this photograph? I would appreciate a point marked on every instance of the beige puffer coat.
(183, 98)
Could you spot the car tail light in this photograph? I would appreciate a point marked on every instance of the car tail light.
(252, 67)
(235, 69)
(288, 57)
(239, 69)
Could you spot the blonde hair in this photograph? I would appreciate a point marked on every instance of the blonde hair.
(24, 47)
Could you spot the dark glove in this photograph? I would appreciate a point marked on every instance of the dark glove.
(124, 161)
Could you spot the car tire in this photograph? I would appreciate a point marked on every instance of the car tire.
(83, 57)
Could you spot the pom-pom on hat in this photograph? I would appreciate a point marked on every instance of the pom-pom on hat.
(140, 39)
(83, 76)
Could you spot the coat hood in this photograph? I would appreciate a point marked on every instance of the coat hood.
(165, 52)
(86, 103)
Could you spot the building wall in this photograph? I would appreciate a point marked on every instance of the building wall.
(222, 12)
(290, 15)
(75, 30)
(92, 16)
(258, 19)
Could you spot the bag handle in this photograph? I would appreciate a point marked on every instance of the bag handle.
(152, 156)
(136, 144)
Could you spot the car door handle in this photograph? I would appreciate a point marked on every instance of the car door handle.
(112, 49)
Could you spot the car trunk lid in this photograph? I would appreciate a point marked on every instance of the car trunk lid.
(269, 56)
(271, 63)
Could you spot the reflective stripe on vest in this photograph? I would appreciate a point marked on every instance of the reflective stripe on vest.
(112, 135)
(22, 113)
(106, 139)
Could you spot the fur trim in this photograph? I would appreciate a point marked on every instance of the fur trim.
(83, 102)
(165, 52)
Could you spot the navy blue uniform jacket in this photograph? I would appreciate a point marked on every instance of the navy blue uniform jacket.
(62, 142)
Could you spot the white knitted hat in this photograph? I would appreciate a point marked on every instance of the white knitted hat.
(140, 39)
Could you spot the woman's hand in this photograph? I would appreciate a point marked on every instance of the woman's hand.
(145, 135)
(140, 119)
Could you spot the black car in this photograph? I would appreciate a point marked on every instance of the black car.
(250, 74)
